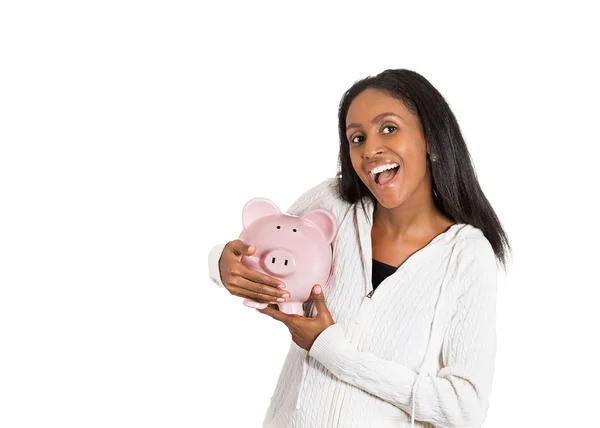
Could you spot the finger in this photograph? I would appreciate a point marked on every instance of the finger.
(277, 314)
(249, 294)
(258, 277)
(254, 287)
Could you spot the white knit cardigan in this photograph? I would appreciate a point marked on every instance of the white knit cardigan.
(418, 351)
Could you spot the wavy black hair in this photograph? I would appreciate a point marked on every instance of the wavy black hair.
(456, 191)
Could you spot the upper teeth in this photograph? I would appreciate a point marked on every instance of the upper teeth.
(382, 168)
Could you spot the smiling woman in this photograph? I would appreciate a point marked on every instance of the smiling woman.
(399, 117)
(420, 350)
(378, 141)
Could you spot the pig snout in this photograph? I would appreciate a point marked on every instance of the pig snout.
(280, 262)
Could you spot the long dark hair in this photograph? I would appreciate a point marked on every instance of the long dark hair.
(456, 191)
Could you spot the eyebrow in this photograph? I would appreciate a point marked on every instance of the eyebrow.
(375, 119)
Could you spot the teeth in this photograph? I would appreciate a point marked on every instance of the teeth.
(384, 168)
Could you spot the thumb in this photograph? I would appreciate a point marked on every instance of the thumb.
(246, 249)
(319, 300)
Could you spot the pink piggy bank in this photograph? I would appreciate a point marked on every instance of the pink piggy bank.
(295, 250)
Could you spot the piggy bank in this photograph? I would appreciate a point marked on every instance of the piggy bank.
(295, 250)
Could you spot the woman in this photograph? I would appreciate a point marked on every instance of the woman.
(405, 328)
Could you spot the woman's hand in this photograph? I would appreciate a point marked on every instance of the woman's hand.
(242, 281)
(305, 330)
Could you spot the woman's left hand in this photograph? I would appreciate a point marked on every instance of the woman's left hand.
(305, 330)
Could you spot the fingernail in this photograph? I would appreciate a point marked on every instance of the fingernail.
(286, 294)
(280, 299)
(281, 286)
(318, 289)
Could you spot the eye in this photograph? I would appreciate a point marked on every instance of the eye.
(278, 227)
(294, 230)
(389, 126)
(356, 142)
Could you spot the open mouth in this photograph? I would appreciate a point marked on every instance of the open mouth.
(386, 177)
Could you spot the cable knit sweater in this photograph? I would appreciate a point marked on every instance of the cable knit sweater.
(418, 351)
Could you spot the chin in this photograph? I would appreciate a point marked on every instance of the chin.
(390, 203)
(390, 199)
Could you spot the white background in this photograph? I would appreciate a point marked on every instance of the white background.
(132, 134)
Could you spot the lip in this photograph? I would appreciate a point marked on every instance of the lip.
(386, 186)
(372, 165)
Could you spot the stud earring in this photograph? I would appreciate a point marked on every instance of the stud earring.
(433, 157)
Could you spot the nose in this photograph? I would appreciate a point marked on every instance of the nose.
(371, 153)
(279, 262)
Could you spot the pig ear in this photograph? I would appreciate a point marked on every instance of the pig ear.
(257, 208)
(325, 221)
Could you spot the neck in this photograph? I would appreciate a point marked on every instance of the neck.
(404, 220)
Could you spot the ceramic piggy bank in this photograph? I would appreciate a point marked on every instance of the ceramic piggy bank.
(295, 250)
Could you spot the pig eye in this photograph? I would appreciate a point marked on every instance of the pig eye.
(294, 230)
(278, 227)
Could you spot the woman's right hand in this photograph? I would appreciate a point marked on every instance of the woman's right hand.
(242, 281)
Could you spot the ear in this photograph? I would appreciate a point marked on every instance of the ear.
(257, 208)
(324, 220)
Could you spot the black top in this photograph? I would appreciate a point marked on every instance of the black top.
(381, 271)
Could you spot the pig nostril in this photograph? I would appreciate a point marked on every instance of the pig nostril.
(285, 263)
(273, 261)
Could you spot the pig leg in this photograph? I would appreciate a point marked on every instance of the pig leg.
(291, 308)
(253, 304)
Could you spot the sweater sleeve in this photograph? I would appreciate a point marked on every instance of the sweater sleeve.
(458, 394)
(318, 196)
(213, 264)
(322, 195)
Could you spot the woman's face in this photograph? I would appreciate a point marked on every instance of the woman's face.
(376, 138)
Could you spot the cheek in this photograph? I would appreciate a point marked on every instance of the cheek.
(355, 159)
(415, 169)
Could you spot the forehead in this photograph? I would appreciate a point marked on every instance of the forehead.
(371, 102)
